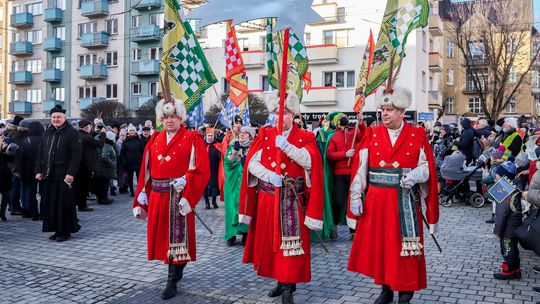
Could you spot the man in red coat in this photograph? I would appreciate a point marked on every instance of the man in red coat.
(392, 160)
(174, 173)
(278, 243)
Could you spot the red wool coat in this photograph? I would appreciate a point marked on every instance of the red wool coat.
(265, 229)
(161, 160)
(376, 248)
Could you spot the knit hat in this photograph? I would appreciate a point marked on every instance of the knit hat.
(122, 132)
(131, 127)
(248, 130)
(110, 135)
(498, 153)
(507, 169)
(84, 122)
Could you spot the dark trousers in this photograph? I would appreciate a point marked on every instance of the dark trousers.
(510, 252)
(5, 201)
(28, 197)
(342, 183)
(15, 196)
(101, 188)
(130, 174)
(211, 191)
(82, 186)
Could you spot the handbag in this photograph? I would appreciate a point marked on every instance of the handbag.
(528, 233)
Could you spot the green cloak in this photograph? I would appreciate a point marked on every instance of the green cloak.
(233, 180)
(328, 222)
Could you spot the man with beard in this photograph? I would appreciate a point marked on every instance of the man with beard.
(214, 156)
(278, 243)
(392, 159)
(58, 161)
(171, 182)
(234, 168)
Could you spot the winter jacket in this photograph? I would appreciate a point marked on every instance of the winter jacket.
(513, 147)
(466, 141)
(339, 144)
(485, 131)
(59, 152)
(533, 196)
(506, 219)
(90, 145)
(131, 153)
(214, 156)
(106, 161)
(29, 151)
(5, 173)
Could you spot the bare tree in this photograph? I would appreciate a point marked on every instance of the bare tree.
(257, 109)
(108, 110)
(494, 39)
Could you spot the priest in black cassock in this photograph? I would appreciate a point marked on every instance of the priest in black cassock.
(58, 160)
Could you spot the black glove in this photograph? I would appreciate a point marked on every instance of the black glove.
(237, 145)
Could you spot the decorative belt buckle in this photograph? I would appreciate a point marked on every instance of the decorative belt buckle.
(395, 164)
(382, 163)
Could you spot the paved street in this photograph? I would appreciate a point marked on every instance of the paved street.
(106, 263)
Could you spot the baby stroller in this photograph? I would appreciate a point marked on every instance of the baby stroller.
(455, 183)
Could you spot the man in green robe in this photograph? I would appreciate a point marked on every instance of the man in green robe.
(234, 167)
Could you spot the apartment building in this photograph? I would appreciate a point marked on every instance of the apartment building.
(3, 58)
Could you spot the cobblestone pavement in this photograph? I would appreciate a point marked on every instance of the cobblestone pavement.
(106, 263)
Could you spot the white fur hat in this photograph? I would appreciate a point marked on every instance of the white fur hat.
(170, 108)
(400, 98)
(291, 102)
(131, 127)
(512, 122)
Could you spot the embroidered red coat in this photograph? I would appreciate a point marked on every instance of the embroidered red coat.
(376, 248)
(262, 247)
(161, 160)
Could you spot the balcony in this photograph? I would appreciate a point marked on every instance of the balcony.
(94, 40)
(86, 102)
(145, 68)
(52, 15)
(146, 5)
(51, 103)
(52, 75)
(435, 62)
(146, 33)
(20, 107)
(20, 48)
(435, 26)
(52, 44)
(328, 11)
(137, 102)
(22, 20)
(93, 72)
(253, 59)
(322, 54)
(320, 96)
(434, 99)
(96, 8)
(20, 77)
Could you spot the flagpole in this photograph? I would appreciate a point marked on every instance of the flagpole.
(282, 92)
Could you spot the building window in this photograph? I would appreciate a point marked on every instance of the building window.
(87, 92)
(15, 66)
(85, 28)
(152, 88)
(16, 37)
(136, 55)
(450, 77)
(59, 63)
(33, 95)
(341, 14)
(154, 53)
(424, 81)
(136, 88)
(265, 86)
(59, 94)
(15, 95)
(449, 49)
(135, 21)
(424, 41)
(33, 65)
(226, 86)
(111, 26)
(511, 45)
(511, 106)
(512, 75)
(449, 105)
(307, 39)
(15, 9)
(341, 79)
(34, 36)
(34, 8)
(341, 38)
(112, 58)
(61, 4)
(60, 32)
(482, 78)
(535, 79)
(477, 52)
(475, 105)
(157, 19)
(112, 91)
(87, 59)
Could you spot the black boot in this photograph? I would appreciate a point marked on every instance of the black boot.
(287, 295)
(207, 202)
(244, 238)
(3, 211)
(230, 242)
(491, 220)
(405, 297)
(387, 295)
(214, 203)
(175, 274)
(278, 290)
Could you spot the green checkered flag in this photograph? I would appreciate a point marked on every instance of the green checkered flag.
(271, 56)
